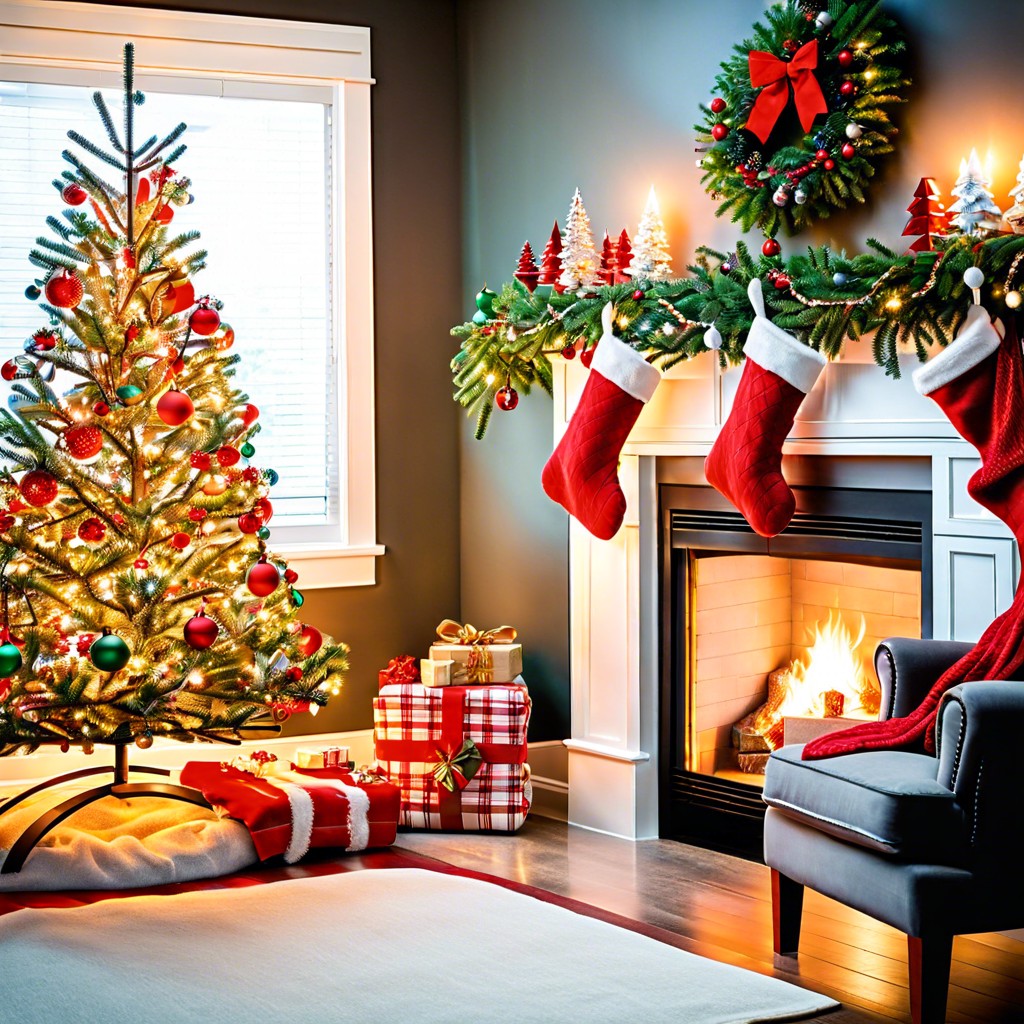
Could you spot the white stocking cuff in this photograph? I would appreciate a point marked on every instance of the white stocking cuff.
(977, 340)
(773, 349)
(622, 365)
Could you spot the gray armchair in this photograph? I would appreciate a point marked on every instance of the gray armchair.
(927, 844)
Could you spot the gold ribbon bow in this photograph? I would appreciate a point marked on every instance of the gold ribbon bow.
(454, 771)
(452, 632)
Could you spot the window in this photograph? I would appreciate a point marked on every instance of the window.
(280, 165)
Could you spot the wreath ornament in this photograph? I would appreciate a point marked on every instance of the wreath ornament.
(800, 118)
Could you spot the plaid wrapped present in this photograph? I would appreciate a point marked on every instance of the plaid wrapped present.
(457, 753)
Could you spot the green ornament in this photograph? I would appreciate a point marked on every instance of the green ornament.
(297, 598)
(109, 653)
(272, 476)
(130, 394)
(10, 659)
(247, 450)
(484, 305)
(32, 293)
(263, 532)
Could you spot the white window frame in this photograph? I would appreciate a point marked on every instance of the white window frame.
(67, 43)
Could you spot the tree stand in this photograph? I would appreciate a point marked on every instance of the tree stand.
(119, 787)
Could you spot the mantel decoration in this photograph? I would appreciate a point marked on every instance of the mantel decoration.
(799, 119)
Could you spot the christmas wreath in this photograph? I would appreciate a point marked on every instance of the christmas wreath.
(799, 119)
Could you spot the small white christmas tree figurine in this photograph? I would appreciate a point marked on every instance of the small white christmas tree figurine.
(580, 261)
(973, 213)
(1014, 216)
(650, 247)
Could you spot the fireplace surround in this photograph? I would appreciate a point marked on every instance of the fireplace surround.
(856, 430)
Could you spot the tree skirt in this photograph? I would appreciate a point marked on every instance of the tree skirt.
(405, 944)
(124, 844)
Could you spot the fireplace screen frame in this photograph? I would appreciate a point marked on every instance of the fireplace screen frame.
(832, 523)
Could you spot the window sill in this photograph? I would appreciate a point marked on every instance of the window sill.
(322, 566)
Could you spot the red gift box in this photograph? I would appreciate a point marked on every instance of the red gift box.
(457, 753)
(292, 812)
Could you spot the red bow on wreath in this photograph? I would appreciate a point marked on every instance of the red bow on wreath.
(776, 75)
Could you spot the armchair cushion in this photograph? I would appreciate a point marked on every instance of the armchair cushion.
(888, 801)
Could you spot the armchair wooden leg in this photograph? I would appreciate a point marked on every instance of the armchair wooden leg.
(929, 958)
(787, 907)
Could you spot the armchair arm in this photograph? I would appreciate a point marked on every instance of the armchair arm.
(978, 740)
(907, 670)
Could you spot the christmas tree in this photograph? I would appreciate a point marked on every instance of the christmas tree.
(624, 256)
(927, 215)
(139, 598)
(1014, 216)
(974, 212)
(526, 270)
(609, 260)
(580, 262)
(651, 258)
(551, 259)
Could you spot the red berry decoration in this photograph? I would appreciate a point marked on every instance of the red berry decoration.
(175, 408)
(204, 320)
(847, 88)
(73, 194)
(293, 674)
(93, 530)
(782, 282)
(310, 640)
(291, 576)
(507, 398)
(141, 563)
(180, 541)
(228, 456)
(719, 132)
(250, 414)
(10, 370)
(263, 510)
(39, 488)
(829, 165)
(587, 356)
(64, 290)
(717, 105)
(569, 352)
(771, 247)
(638, 295)
(201, 632)
(200, 460)
(262, 578)
(83, 442)
(101, 409)
(44, 340)
(845, 58)
(248, 523)
(250, 474)
(848, 150)
(790, 45)
(197, 515)
(822, 154)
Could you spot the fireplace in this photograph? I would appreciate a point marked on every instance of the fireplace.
(767, 640)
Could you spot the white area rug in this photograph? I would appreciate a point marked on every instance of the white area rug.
(365, 947)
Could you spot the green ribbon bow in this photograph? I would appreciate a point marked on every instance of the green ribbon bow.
(454, 771)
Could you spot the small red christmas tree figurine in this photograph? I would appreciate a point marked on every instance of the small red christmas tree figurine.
(609, 260)
(623, 255)
(527, 272)
(551, 260)
(927, 216)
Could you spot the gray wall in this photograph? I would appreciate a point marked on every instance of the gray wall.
(603, 95)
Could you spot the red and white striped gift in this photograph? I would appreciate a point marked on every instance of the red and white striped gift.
(416, 727)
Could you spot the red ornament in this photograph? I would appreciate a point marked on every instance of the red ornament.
(845, 58)
(790, 45)
(178, 366)
(250, 414)
(6, 522)
(204, 320)
(829, 165)
(141, 563)
(847, 88)
(197, 515)
(717, 105)
(719, 132)
(291, 576)
(38, 487)
(10, 370)
(822, 154)
(848, 150)
(638, 295)
(101, 409)
(93, 530)
(782, 282)
(507, 398)
(248, 523)
(293, 674)
(263, 510)
(83, 442)
(225, 337)
(771, 247)
(200, 632)
(180, 541)
(64, 290)
(200, 460)
(587, 356)
(310, 640)
(250, 474)
(73, 194)
(569, 352)
(174, 408)
(262, 578)
(44, 340)
(228, 456)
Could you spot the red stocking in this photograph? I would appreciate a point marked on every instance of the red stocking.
(745, 463)
(977, 381)
(582, 473)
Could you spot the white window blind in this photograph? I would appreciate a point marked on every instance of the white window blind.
(261, 180)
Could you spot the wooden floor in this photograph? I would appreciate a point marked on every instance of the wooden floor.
(722, 906)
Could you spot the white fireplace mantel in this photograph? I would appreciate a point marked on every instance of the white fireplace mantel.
(853, 413)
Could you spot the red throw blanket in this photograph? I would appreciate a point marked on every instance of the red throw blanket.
(984, 404)
(291, 812)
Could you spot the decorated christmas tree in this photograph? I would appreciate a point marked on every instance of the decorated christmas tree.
(927, 216)
(139, 597)
(973, 213)
(1014, 216)
(651, 258)
(580, 262)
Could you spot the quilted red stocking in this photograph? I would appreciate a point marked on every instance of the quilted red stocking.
(978, 382)
(582, 473)
(745, 463)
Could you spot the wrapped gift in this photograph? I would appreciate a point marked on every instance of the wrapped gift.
(480, 655)
(327, 757)
(457, 753)
(290, 812)
(436, 673)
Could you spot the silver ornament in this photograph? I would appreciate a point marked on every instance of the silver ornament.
(839, 279)
(974, 277)
(824, 20)
(800, 197)
(713, 338)
(781, 197)
(854, 131)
